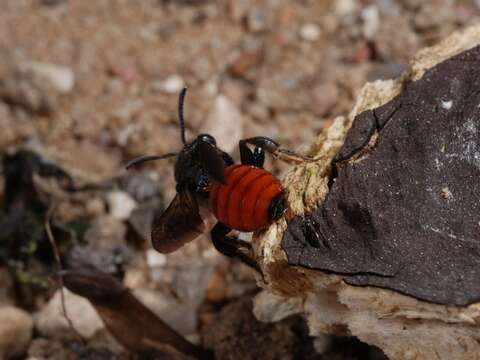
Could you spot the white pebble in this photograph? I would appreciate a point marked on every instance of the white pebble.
(120, 204)
(224, 123)
(447, 105)
(60, 77)
(371, 21)
(16, 327)
(346, 7)
(171, 85)
(155, 259)
(51, 322)
(310, 32)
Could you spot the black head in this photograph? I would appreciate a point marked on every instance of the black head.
(200, 160)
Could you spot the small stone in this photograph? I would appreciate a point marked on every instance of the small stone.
(346, 7)
(124, 134)
(446, 193)
(447, 105)
(16, 328)
(140, 186)
(171, 85)
(225, 123)
(389, 7)
(94, 207)
(155, 259)
(60, 77)
(120, 204)
(310, 32)
(217, 288)
(113, 259)
(51, 322)
(371, 21)
(27, 89)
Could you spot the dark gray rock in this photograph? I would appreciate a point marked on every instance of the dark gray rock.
(407, 216)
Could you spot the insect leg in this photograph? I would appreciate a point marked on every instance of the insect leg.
(264, 144)
(249, 157)
(232, 247)
(313, 234)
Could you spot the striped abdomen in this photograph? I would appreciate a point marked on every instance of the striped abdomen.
(247, 199)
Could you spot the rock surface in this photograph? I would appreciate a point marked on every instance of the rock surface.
(51, 322)
(15, 331)
(402, 326)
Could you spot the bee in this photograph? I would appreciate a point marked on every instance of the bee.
(242, 197)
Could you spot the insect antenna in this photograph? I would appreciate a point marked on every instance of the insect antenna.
(181, 100)
(142, 159)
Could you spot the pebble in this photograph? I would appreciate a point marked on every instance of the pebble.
(389, 7)
(60, 77)
(51, 322)
(346, 7)
(216, 288)
(120, 204)
(155, 259)
(16, 327)
(224, 123)
(310, 32)
(447, 105)
(113, 260)
(140, 186)
(371, 21)
(171, 85)
(94, 207)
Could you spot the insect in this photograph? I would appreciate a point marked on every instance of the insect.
(242, 197)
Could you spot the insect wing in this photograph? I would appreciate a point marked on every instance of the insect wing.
(179, 224)
(212, 161)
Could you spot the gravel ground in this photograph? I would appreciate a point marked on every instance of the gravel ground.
(90, 84)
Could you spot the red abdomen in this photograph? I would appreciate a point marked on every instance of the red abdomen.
(243, 202)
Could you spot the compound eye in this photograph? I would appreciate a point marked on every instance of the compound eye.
(208, 139)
